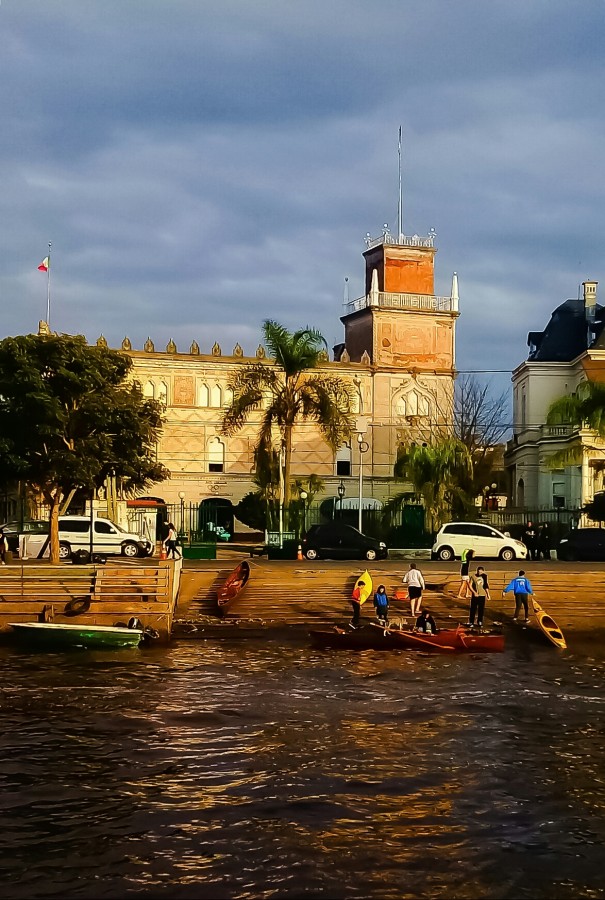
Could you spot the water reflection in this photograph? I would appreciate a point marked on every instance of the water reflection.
(262, 771)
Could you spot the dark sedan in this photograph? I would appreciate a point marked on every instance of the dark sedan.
(583, 543)
(337, 541)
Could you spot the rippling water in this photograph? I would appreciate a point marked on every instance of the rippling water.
(232, 770)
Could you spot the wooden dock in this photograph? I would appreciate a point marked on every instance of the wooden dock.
(91, 594)
(284, 593)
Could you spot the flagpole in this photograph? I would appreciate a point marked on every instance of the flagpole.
(400, 203)
(48, 289)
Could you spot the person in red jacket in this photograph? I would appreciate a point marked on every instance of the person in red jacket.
(356, 604)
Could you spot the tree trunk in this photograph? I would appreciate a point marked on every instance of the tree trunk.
(55, 504)
(287, 465)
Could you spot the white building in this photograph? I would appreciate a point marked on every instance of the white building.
(569, 350)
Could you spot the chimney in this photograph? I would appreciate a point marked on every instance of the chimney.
(590, 299)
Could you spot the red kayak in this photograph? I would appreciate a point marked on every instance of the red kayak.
(376, 637)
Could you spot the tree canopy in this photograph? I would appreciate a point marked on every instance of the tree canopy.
(69, 417)
(289, 393)
(439, 473)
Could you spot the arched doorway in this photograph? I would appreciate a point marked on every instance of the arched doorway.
(216, 517)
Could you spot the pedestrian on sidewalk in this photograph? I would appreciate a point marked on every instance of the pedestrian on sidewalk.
(521, 588)
(480, 588)
(171, 541)
(464, 591)
(414, 580)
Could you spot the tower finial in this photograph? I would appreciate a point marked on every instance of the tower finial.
(454, 294)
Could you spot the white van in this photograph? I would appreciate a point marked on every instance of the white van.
(487, 542)
(108, 539)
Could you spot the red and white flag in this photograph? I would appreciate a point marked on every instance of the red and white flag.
(43, 267)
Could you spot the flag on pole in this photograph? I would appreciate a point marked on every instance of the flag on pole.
(43, 267)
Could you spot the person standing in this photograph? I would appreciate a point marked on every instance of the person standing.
(465, 587)
(414, 580)
(3, 548)
(530, 539)
(544, 541)
(381, 602)
(521, 588)
(480, 588)
(170, 542)
(356, 604)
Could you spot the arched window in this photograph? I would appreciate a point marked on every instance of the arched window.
(216, 396)
(216, 455)
(521, 493)
(149, 390)
(163, 393)
(203, 397)
(343, 460)
(228, 397)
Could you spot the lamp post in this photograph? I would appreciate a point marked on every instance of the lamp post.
(341, 493)
(182, 499)
(361, 427)
(303, 497)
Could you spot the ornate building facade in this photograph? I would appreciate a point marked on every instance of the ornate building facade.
(398, 355)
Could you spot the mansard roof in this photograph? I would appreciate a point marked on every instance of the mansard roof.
(567, 335)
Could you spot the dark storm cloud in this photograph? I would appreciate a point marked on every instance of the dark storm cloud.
(200, 167)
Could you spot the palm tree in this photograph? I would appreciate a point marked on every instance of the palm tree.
(288, 393)
(584, 409)
(438, 472)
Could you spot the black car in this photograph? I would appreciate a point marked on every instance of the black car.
(583, 543)
(337, 541)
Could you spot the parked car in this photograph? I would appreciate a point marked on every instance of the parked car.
(338, 541)
(583, 543)
(74, 535)
(487, 542)
(12, 531)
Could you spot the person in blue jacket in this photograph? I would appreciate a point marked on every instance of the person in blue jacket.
(521, 588)
(381, 602)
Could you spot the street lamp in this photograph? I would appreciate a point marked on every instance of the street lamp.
(182, 499)
(341, 492)
(303, 497)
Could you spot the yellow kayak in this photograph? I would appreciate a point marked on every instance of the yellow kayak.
(549, 627)
(364, 583)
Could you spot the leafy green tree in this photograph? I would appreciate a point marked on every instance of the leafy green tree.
(583, 409)
(69, 417)
(439, 473)
(289, 393)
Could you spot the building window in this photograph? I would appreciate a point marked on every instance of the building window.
(216, 456)
(163, 393)
(343, 460)
(149, 390)
(216, 398)
(558, 494)
(203, 396)
(523, 408)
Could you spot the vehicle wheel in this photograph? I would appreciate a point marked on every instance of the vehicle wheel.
(64, 550)
(311, 554)
(370, 554)
(445, 554)
(130, 549)
(507, 554)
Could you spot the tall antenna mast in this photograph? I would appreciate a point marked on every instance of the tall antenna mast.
(400, 203)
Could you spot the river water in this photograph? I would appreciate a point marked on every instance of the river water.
(259, 770)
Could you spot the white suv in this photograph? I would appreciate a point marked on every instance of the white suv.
(74, 534)
(488, 543)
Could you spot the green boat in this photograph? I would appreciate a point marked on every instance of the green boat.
(51, 636)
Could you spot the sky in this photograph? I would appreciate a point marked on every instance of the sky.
(202, 166)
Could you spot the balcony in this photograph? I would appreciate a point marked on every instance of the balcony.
(402, 240)
(426, 302)
(556, 432)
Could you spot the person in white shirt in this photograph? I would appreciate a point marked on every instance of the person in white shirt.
(415, 582)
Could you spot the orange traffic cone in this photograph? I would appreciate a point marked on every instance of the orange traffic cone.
(163, 552)
(299, 554)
